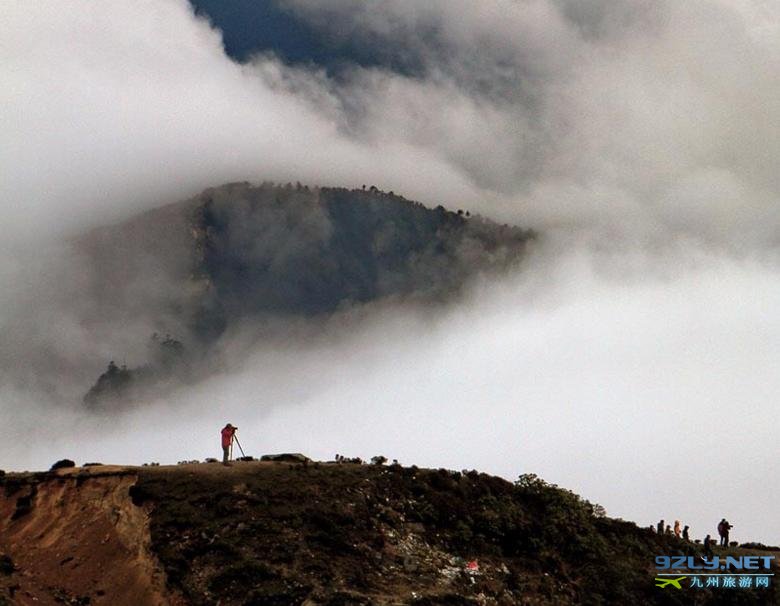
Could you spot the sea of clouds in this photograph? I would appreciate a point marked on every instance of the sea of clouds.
(632, 357)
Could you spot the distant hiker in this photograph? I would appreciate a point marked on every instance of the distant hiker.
(723, 531)
(685, 533)
(227, 440)
(677, 528)
(708, 545)
(660, 527)
(669, 529)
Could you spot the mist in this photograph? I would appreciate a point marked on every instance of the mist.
(631, 358)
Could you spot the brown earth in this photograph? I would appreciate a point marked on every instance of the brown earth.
(316, 534)
(82, 541)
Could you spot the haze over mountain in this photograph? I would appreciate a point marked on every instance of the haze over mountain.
(244, 259)
(632, 357)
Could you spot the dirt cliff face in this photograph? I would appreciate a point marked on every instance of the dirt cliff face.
(76, 538)
(323, 534)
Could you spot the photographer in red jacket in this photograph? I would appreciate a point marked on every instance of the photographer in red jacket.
(227, 441)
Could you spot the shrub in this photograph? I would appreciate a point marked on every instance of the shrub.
(761, 546)
(241, 577)
(62, 464)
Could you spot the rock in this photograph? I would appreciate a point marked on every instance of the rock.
(286, 457)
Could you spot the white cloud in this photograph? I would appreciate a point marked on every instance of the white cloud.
(653, 396)
(107, 109)
(628, 361)
(569, 110)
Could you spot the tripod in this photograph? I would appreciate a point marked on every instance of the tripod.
(235, 439)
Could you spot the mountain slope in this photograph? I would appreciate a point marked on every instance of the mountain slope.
(329, 534)
(242, 256)
(241, 250)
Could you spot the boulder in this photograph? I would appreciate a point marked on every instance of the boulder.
(287, 457)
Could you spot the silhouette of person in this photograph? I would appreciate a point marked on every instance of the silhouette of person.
(723, 531)
(708, 545)
(660, 527)
(685, 533)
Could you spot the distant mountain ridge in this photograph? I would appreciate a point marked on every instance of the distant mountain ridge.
(241, 252)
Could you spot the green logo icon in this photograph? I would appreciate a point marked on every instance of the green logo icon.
(664, 582)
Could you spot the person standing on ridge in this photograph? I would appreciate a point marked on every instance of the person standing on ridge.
(227, 440)
(708, 546)
(723, 531)
(660, 527)
(677, 528)
(685, 533)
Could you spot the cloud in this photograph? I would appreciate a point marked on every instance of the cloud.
(654, 397)
(663, 114)
(590, 115)
(110, 109)
(633, 359)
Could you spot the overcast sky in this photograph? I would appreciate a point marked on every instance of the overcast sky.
(632, 359)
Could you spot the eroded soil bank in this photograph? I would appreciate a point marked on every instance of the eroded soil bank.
(74, 537)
